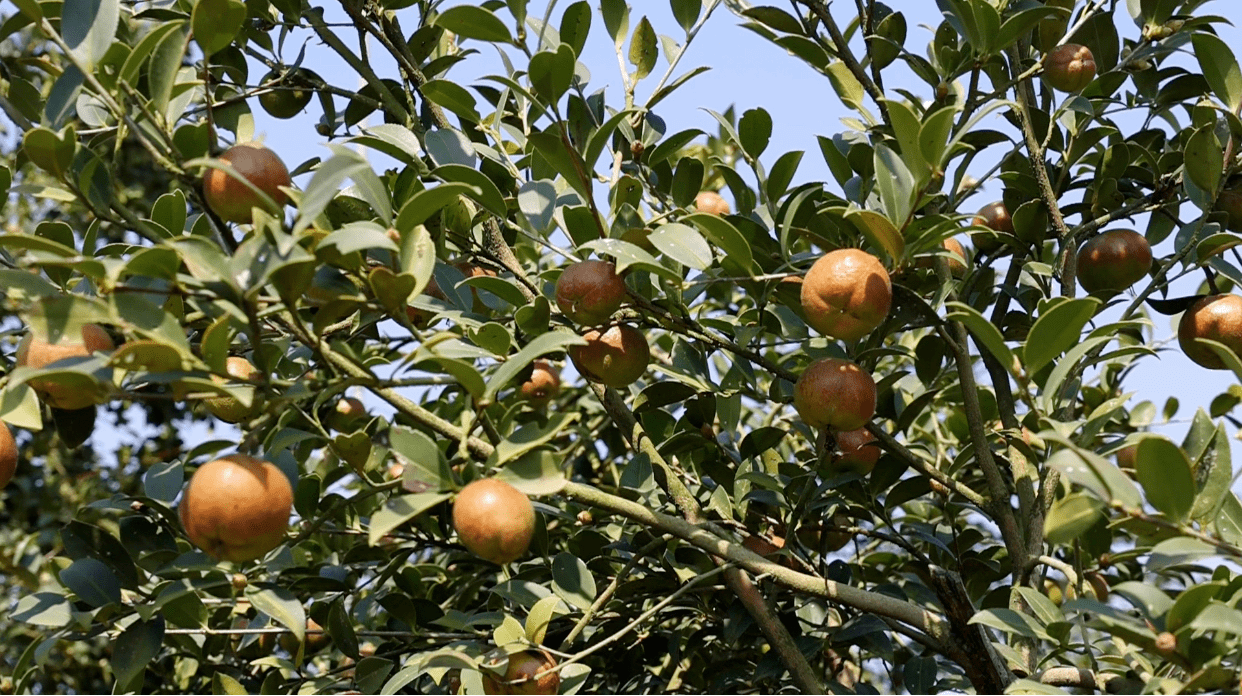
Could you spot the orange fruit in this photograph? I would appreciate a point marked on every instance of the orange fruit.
(520, 675)
(231, 199)
(236, 508)
(1113, 261)
(38, 353)
(544, 384)
(835, 393)
(228, 408)
(494, 520)
(846, 294)
(859, 451)
(956, 268)
(617, 357)
(8, 455)
(588, 292)
(1216, 318)
(994, 216)
(1069, 67)
(711, 202)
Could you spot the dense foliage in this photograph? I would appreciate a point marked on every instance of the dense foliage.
(1023, 528)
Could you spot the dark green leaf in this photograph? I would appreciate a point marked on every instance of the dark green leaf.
(474, 22)
(643, 49)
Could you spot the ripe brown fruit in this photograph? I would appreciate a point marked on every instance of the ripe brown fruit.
(231, 199)
(1215, 318)
(316, 638)
(8, 455)
(236, 508)
(1229, 202)
(1069, 67)
(1127, 458)
(520, 675)
(846, 294)
(616, 358)
(228, 408)
(588, 292)
(859, 451)
(494, 520)
(38, 353)
(711, 202)
(1113, 261)
(544, 384)
(994, 216)
(957, 268)
(835, 393)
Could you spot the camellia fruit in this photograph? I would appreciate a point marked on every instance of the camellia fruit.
(588, 292)
(231, 199)
(617, 357)
(236, 508)
(228, 408)
(835, 393)
(858, 451)
(1113, 261)
(521, 675)
(1229, 202)
(846, 294)
(8, 455)
(1069, 67)
(711, 202)
(1215, 318)
(345, 413)
(38, 353)
(544, 384)
(815, 537)
(288, 97)
(957, 267)
(994, 216)
(494, 520)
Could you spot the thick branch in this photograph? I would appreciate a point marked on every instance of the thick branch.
(926, 621)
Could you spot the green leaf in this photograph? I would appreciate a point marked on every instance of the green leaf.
(687, 12)
(280, 604)
(1189, 603)
(1165, 474)
(222, 683)
(538, 472)
(428, 202)
(539, 617)
(530, 436)
(572, 580)
(134, 649)
(49, 609)
(453, 97)
(1205, 159)
(644, 49)
(629, 255)
(1220, 68)
(576, 25)
(473, 22)
(543, 344)
(29, 8)
(551, 73)
(399, 510)
(49, 151)
(1070, 517)
(1094, 473)
(754, 130)
(567, 162)
(1177, 551)
(616, 15)
(895, 182)
(92, 581)
(1057, 330)
(88, 27)
(848, 88)
(934, 133)
(880, 231)
(424, 465)
(216, 23)
(983, 331)
(682, 244)
(723, 234)
(1009, 621)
